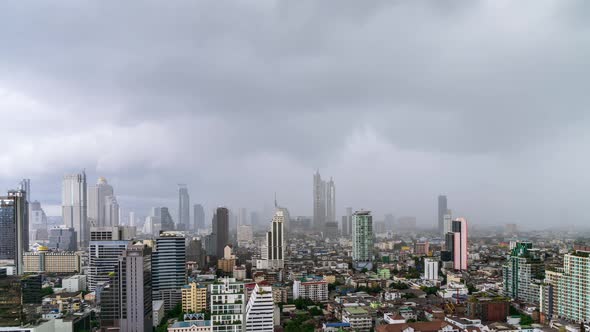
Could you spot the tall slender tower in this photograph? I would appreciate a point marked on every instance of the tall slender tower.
(330, 201)
(442, 210)
(14, 228)
(97, 199)
(199, 216)
(274, 246)
(220, 230)
(74, 210)
(456, 243)
(319, 201)
(183, 206)
(135, 272)
(362, 240)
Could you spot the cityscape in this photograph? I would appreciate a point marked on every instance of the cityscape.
(294, 166)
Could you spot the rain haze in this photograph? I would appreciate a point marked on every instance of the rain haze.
(398, 101)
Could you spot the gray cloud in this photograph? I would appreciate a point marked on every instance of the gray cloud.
(398, 100)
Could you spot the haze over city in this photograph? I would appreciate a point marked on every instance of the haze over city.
(483, 101)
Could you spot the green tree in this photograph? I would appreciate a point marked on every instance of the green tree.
(46, 291)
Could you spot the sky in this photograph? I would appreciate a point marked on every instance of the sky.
(398, 101)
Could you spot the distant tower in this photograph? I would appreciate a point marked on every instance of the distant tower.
(199, 217)
(331, 201)
(14, 228)
(273, 251)
(442, 210)
(183, 206)
(111, 211)
(74, 210)
(220, 230)
(167, 224)
(362, 240)
(97, 201)
(319, 201)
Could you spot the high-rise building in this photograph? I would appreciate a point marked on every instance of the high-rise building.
(315, 290)
(199, 216)
(52, 262)
(349, 217)
(456, 243)
(195, 253)
(136, 289)
(448, 222)
(111, 211)
(242, 217)
(11, 313)
(14, 228)
(430, 269)
(131, 220)
(74, 209)
(523, 273)
(274, 245)
(319, 201)
(362, 240)
(166, 222)
(260, 310)
(330, 201)
(38, 222)
(442, 210)
(98, 212)
(227, 305)
(103, 257)
(184, 207)
(62, 239)
(220, 230)
(169, 268)
(245, 235)
(194, 297)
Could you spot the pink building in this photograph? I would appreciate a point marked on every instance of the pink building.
(459, 229)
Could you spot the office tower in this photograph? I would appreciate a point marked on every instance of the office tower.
(103, 257)
(199, 217)
(74, 210)
(169, 268)
(136, 289)
(227, 305)
(37, 221)
(62, 239)
(362, 240)
(456, 243)
(430, 269)
(194, 297)
(317, 291)
(523, 273)
(260, 310)
(273, 251)
(97, 200)
(184, 207)
(166, 222)
(220, 230)
(447, 222)
(330, 201)
(319, 201)
(14, 228)
(245, 235)
(131, 221)
(442, 210)
(10, 300)
(111, 212)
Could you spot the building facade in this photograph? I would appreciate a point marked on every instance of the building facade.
(74, 209)
(65, 262)
(184, 207)
(317, 291)
(169, 268)
(62, 239)
(362, 240)
(220, 230)
(227, 305)
(14, 228)
(456, 243)
(194, 297)
(523, 273)
(260, 310)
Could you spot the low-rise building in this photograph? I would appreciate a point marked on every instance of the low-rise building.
(358, 318)
(158, 312)
(74, 283)
(314, 290)
(194, 297)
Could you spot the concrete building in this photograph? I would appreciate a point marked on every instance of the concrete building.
(74, 209)
(136, 293)
(169, 268)
(358, 318)
(442, 210)
(431, 269)
(10, 300)
(37, 222)
(228, 262)
(184, 207)
(317, 291)
(220, 234)
(194, 297)
(245, 235)
(422, 248)
(319, 201)
(14, 228)
(523, 273)
(227, 305)
(112, 233)
(62, 239)
(158, 312)
(362, 240)
(74, 283)
(166, 221)
(260, 310)
(65, 262)
(102, 259)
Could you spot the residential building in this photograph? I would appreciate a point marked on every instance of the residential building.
(259, 315)
(63, 262)
(245, 235)
(331, 201)
(422, 248)
(362, 240)
(227, 305)
(158, 312)
(14, 228)
(488, 308)
(194, 297)
(523, 273)
(317, 291)
(431, 269)
(74, 283)
(358, 318)
(136, 289)
(228, 262)
(62, 239)
(169, 268)
(74, 209)
(184, 207)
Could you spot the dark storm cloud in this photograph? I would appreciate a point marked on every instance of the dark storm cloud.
(232, 97)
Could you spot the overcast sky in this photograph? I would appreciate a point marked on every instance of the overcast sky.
(399, 101)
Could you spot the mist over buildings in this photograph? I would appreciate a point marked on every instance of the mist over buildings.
(397, 101)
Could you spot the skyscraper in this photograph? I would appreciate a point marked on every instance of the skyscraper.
(330, 201)
(111, 212)
(131, 221)
(456, 243)
(166, 222)
(14, 228)
(169, 268)
(349, 217)
(199, 217)
(520, 271)
(74, 210)
(319, 201)
(362, 240)
(274, 258)
(37, 221)
(183, 207)
(136, 289)
(97, 200)
(442, 210)
(103, 258)
(259, 315)
(62, 239)
(220, 230)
